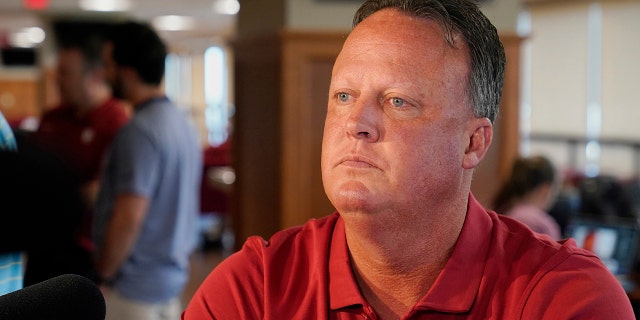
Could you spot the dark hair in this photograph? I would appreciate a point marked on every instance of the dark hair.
(526, 175)
(138, 46)
(465, 18)
(87, 37)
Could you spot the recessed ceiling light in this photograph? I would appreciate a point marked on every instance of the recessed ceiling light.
(105, 5)
(229, 7)
(173, 23)
(27, 37)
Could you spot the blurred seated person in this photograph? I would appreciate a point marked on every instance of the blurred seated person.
(568, 202)
(81, 128)
(631, 188)
(606, 195)
(528, 193)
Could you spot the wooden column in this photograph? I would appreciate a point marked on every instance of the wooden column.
(308, 61)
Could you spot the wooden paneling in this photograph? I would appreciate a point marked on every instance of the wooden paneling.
(281, 84)
(308, 59)
(19, 99)
(255, 205)
(51, 95)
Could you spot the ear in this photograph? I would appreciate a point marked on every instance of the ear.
(479, 134)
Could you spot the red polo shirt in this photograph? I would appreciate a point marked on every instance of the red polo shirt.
(81, 142)
(499, 269)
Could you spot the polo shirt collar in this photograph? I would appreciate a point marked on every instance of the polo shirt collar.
(456, 287)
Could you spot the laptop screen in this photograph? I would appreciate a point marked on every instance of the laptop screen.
(614, 240)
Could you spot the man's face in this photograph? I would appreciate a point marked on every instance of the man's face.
(397, 124)
(72, 77)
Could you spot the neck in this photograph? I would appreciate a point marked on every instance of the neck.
(144, 93)
(396, 265)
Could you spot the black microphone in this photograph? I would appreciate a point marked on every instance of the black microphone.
(68, 296)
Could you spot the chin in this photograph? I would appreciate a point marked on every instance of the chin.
(352, 196)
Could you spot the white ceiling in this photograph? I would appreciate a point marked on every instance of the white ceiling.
(208, 24)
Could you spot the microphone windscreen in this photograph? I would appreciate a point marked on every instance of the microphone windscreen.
(67, 296)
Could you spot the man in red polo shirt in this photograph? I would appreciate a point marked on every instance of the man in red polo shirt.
(412, 100)
(79, 130)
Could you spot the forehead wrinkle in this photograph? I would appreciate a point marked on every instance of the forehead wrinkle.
(391, 70)
(392, 42)
(391, 66)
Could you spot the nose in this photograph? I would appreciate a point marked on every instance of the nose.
(364, 119)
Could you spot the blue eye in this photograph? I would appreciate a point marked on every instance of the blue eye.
(343, 97)
(397, 102)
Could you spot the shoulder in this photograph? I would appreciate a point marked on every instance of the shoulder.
(306, 241)
(56, 113)
(54, 120)
(531, 250)
(264, 269)
(313, 231)
(538, 251)
(576, 283)
(524, 210)
(527, 213)
(160, 117)
(536, 219)
(563, 279)
(555, 279)
(148, 120)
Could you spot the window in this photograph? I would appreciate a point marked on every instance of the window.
(218, 110)
(579, 66)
